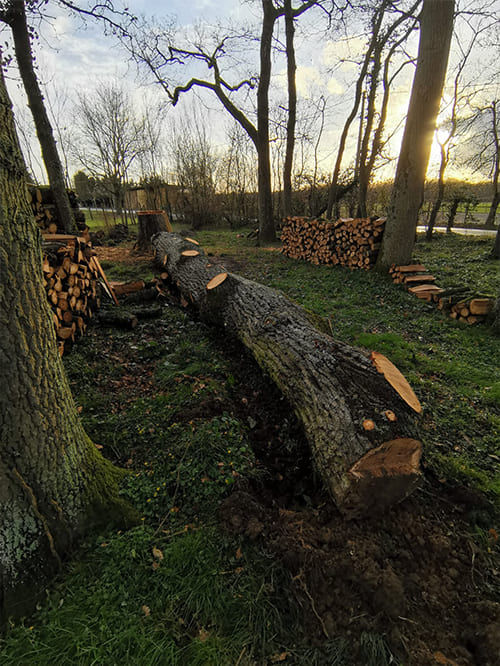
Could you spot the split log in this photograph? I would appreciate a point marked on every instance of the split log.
(335, 389)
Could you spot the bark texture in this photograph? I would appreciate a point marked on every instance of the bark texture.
(150, 223)
(436, 27)
(16, 18)
(334, 389)
(53, 481)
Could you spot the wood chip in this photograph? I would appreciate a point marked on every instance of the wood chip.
(396, 380)
(191, 240)
(368, 424)
(390, 415)
(216, 281)
(190, 253)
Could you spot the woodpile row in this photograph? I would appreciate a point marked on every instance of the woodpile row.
(346, 242)
(71, 274)
(45, 211)
(459, 302)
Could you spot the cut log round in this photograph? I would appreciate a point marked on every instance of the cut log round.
(333, 388)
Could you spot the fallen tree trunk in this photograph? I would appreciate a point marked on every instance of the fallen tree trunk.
(359, 413)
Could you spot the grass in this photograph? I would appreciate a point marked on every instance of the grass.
(453, 367)
(176, 590)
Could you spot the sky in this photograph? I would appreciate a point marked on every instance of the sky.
(73, 56)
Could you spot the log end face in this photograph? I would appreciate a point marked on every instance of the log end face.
(381, 478)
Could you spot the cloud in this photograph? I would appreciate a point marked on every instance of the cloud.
(306, 77)
(334, 87)
(344, 52)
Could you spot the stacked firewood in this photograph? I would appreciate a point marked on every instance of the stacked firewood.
(460, 303)
(71, 274)
(467, 307)
(45, 211)
(346, 242)
(416, 279)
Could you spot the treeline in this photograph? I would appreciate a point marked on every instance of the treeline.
(198, 205)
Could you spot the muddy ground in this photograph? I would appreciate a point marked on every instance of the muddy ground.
(419, 575)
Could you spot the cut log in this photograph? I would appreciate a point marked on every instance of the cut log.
(125, 288)
(333, 388)
(481, 306)
(151, 222)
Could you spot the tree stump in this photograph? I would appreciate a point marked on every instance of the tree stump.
(358, 412)
(151, 222)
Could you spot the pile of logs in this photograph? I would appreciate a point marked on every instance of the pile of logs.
(461, 303)
(346, 242)
(416, 279)
(468, 308)
(45, 211)
(71, 274)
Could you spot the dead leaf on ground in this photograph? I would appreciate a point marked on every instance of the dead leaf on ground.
(441, 659)
(146, 610)
(279, 657)
(203, 634)
(157, 554)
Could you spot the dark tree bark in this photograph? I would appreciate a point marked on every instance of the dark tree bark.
(436, 27)
(267, 233)
(292, 109)
(15, 17)
(151, 222)
(360, 429)
(53, 482)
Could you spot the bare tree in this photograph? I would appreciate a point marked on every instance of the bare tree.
(13, 13)
(196, 168)
(158, 50)
(382, 30)
(111, 136)
(237, 177)
(371, 137)
(436, 27)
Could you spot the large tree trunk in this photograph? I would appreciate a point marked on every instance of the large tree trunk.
(24, 57)
(436, 27)
(361, 430)
(53, 481)
(267, 232)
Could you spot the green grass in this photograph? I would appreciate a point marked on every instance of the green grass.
(176, 590)
(454, 368)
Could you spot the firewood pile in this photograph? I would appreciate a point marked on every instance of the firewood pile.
(460, 303)
(71, 275)
(346, 242)
(45, 212)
